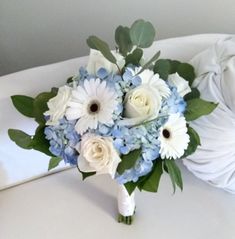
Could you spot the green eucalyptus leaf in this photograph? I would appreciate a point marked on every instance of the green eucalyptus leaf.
(150, 62)
(174, 173)
(54, 162)
(142, 33)
(186, 71)
(22, 139)
(198, 107)
(163, 68)
(40, 106)
(96, 43)
(128, 161)
(40, 143)
(134, 57)
(24, 104)
(193, 143)
(152, 181)
(123, 40)
(195, 93)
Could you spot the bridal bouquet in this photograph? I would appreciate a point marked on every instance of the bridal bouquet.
(121, 115)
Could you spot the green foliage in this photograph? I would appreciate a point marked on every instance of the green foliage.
(24, 104)
(130, 187)
(194, 142)
(54, 162)
(174, 66)
(69, 80)
(186, 71)
(128, 161)
(40, 143)
(97, 44)
(37, 142)
(150, 62)
(54, 90)
(163, 68)
(86, 174)
(142, 33)
(175, 174)
(197, 108)
(151, 182)
(40, 106)
(22, 139)
(125, 219)
(195, 93)
(134, 57)
(33, 108)
(123, 40)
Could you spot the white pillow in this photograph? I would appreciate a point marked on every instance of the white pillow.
(214, 160)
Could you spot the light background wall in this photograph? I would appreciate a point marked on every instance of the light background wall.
(34, 32)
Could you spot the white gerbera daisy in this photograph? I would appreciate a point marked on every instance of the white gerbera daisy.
(173, 137)
(91, 104)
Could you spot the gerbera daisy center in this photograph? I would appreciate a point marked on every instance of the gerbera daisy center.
(94, 107)
(166, 133)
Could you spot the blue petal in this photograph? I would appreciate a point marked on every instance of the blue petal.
(136, 81)
(102, 73)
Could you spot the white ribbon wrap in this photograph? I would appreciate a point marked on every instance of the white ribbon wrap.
(126, 202)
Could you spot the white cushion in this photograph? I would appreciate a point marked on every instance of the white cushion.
(214, 161)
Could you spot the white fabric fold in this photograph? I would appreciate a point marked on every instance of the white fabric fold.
(214, 160)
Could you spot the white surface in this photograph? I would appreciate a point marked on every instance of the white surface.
(214, 160)
(41, 32)
(61, 206)
(17, 164)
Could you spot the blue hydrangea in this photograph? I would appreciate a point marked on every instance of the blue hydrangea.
(129, 80)
(144, 137)
(63, 139)
(173, 104)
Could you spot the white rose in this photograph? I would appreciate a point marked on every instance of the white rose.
(97, 154)
(57, 105)
(142, 102)
(97, 61)
(180, 83)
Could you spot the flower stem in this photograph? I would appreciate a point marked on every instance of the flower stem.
(126, 220)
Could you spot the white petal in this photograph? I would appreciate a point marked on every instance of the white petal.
(146, 75)
(84, 166)
(74, 113)
(174, 146)
(101, 89)
(159, 85)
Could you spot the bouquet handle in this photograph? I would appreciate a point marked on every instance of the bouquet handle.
(126, 205)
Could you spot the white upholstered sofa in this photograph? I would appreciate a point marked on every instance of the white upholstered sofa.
(62, 206)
